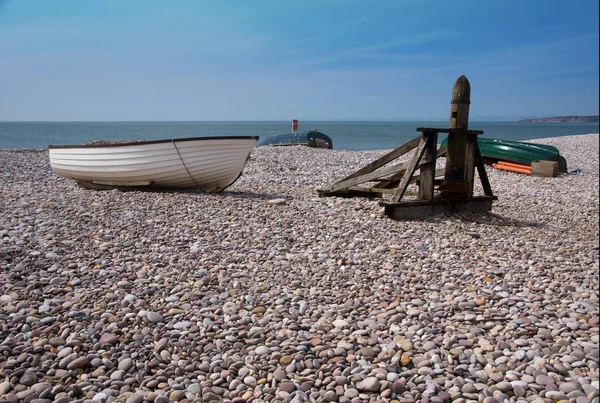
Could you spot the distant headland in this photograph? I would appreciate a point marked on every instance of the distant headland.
(572, 118)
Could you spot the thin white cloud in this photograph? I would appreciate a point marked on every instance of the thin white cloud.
(375, 51)
(515, 60)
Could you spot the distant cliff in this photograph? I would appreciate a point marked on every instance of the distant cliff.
(564, 119)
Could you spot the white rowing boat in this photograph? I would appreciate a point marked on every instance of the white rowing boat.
(209, 164)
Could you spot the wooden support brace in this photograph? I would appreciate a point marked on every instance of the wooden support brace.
(410, 170)
(368, 177)
(485, 182)
(397, 171)
(394, 180)
(441, 152)
(470, 163)
(389, 157)
(376, 190)
(427, 174)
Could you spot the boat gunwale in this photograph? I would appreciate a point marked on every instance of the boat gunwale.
(146, 142)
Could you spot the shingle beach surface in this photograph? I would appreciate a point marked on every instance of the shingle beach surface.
(267, 292)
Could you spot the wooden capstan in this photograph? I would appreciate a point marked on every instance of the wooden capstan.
(455, 191)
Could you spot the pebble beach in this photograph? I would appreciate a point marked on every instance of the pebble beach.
(268, 293)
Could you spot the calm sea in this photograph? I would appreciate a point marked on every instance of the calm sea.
(345, 135)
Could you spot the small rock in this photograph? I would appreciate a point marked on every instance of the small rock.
(262, 350)
(370, 384)
(154, 317)
(125, 364)
(135, 398)
(405, 345)
(80, 362)
(4, 388)
(28, 378)
(108, 338)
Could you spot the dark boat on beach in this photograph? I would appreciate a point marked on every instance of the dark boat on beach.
(520, 152)
(310, 138)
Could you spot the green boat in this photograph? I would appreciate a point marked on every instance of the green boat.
(518, 151)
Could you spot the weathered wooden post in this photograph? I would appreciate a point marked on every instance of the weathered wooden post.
(427, 174)
(460, 160)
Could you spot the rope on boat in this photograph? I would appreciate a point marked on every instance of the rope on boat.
(183, 162)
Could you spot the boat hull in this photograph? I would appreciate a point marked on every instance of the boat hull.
(209, 164)
(311, 138)
(519, 152)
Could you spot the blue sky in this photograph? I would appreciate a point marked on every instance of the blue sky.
(280, 59)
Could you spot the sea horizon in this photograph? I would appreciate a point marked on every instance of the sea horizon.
(346, 135)
(483, 118)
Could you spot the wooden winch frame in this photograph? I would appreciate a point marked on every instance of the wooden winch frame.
(455, 190)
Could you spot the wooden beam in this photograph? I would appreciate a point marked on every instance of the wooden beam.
(369, 177)
(410, 170)
(448, 130)
(391, 182)
(389, 157)
(457, 141)
(350, 193)
(368, 190)
(394, 180)
(427, 174)
(377, 190)
(470, 163)
(420, 208)
(396, 170)
(485, 182)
